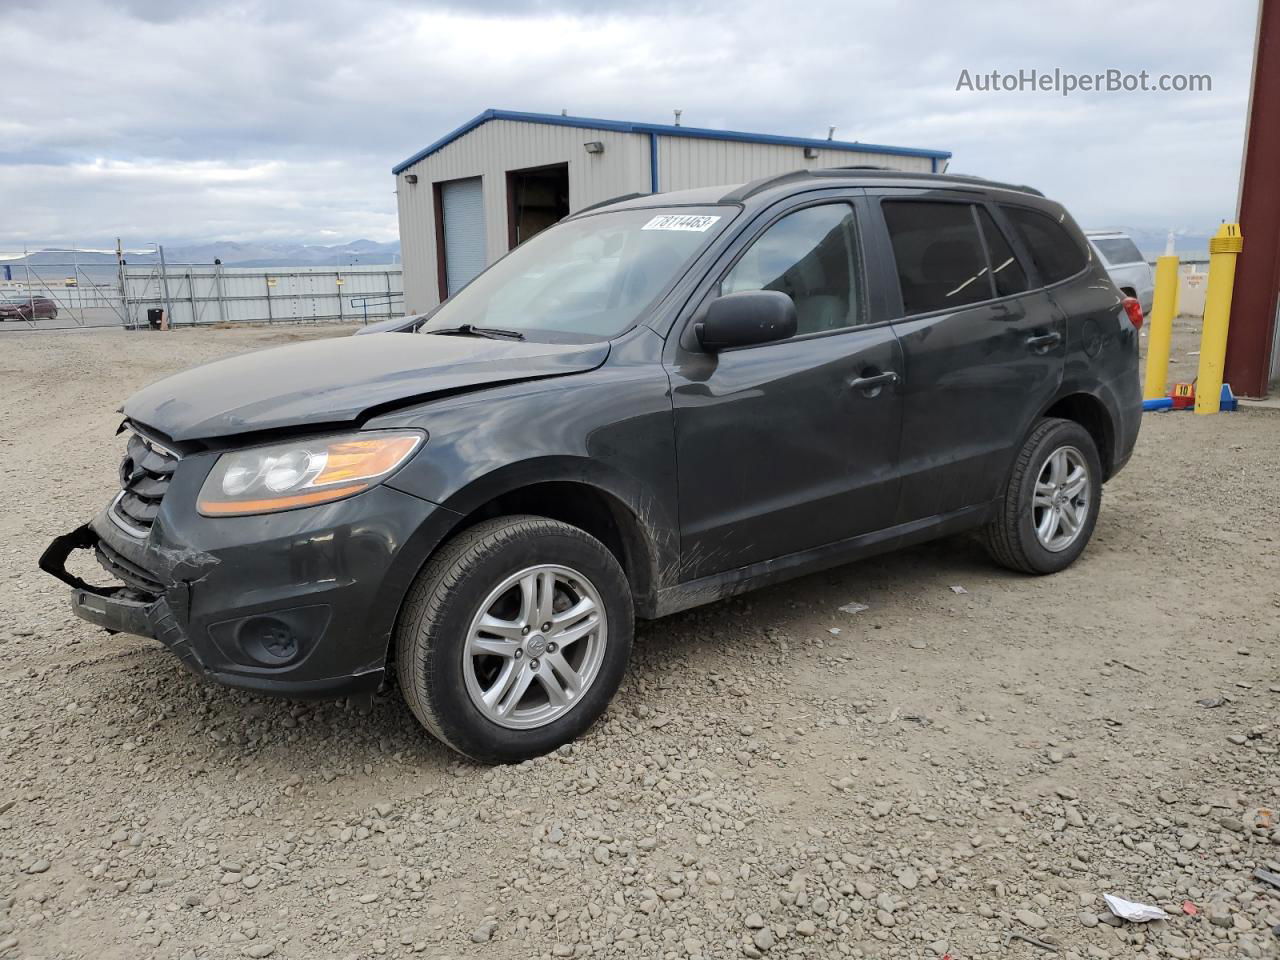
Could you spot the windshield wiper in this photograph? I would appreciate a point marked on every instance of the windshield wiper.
(471, 330)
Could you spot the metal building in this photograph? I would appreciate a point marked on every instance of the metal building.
(471, 196)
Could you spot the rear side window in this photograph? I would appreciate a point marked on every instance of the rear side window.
(1008, 274)
(938, 250)
(1054, 251)
(1118, 250)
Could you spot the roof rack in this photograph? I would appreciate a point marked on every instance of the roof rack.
(750, 189)
(741, 193)
(916, 175)
(617, 199)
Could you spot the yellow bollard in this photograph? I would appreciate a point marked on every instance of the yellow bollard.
(1223, 250)
(1160, 330)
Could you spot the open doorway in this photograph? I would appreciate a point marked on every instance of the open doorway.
(536, 198)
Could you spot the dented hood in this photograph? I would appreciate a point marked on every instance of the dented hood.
(337, 380)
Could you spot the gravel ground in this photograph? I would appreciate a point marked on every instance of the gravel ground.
(965, 766)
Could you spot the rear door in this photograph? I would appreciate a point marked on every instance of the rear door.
(783, 447)
(1101, 343)
(981, 346)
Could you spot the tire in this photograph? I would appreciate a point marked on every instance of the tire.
(444, 680)
(1011, 538)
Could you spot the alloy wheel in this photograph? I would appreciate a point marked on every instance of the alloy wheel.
(535, 646)
(1060, 504)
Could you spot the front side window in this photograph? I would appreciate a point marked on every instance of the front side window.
(1054, 252)
(939, 254)
(811, 256)
(588, 278)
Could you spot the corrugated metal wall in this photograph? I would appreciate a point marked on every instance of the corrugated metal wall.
(494, 148)
(686, 162)
(490, 151)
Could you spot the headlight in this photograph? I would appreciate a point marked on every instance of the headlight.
(302, 473)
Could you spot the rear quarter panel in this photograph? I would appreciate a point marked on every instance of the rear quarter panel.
(1102, 355)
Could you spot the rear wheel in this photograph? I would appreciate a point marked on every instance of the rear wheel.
(1050, 504)
(514, 638)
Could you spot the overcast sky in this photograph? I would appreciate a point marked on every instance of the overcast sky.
(174, 121)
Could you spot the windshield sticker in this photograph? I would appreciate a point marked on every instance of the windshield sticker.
(675, 221)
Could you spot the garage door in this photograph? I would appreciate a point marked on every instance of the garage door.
(463, 205)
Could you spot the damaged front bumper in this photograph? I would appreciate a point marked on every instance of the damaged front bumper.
(122, 609)
(300, 603)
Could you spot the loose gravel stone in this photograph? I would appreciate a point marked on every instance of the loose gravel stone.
(1030, 919)
(763, 939)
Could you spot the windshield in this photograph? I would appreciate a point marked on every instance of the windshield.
(588, 278)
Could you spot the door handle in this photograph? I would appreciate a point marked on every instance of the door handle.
(871, 385)
(1044, 341)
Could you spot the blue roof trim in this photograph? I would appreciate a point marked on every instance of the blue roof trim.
(666, 130)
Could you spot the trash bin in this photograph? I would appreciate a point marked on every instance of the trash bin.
(155, 317)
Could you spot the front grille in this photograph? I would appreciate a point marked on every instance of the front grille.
(127, 571)
(145, 473)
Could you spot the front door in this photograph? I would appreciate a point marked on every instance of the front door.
(786, 446)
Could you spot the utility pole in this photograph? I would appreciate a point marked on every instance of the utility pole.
(124, 290)
(164, 283)
(31, 297)
(217, 280)
(76, 294)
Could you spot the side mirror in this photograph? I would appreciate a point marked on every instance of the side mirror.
(741, 319)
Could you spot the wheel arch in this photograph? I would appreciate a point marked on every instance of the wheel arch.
(1092, 413)
(582, 492)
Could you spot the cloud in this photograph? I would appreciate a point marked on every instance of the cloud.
(182, 122)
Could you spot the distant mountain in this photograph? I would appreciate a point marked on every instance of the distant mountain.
(365, 253)
(40, 258)
(1189, 245)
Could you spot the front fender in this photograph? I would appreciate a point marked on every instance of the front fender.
(609, 429)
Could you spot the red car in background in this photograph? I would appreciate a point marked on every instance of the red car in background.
(27, 308)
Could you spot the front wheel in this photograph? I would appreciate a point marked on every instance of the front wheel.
(1050, 505)
(514, 638)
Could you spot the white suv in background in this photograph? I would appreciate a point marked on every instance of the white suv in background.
(1126, 265)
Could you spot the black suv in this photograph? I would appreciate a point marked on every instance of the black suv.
(659, 402)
